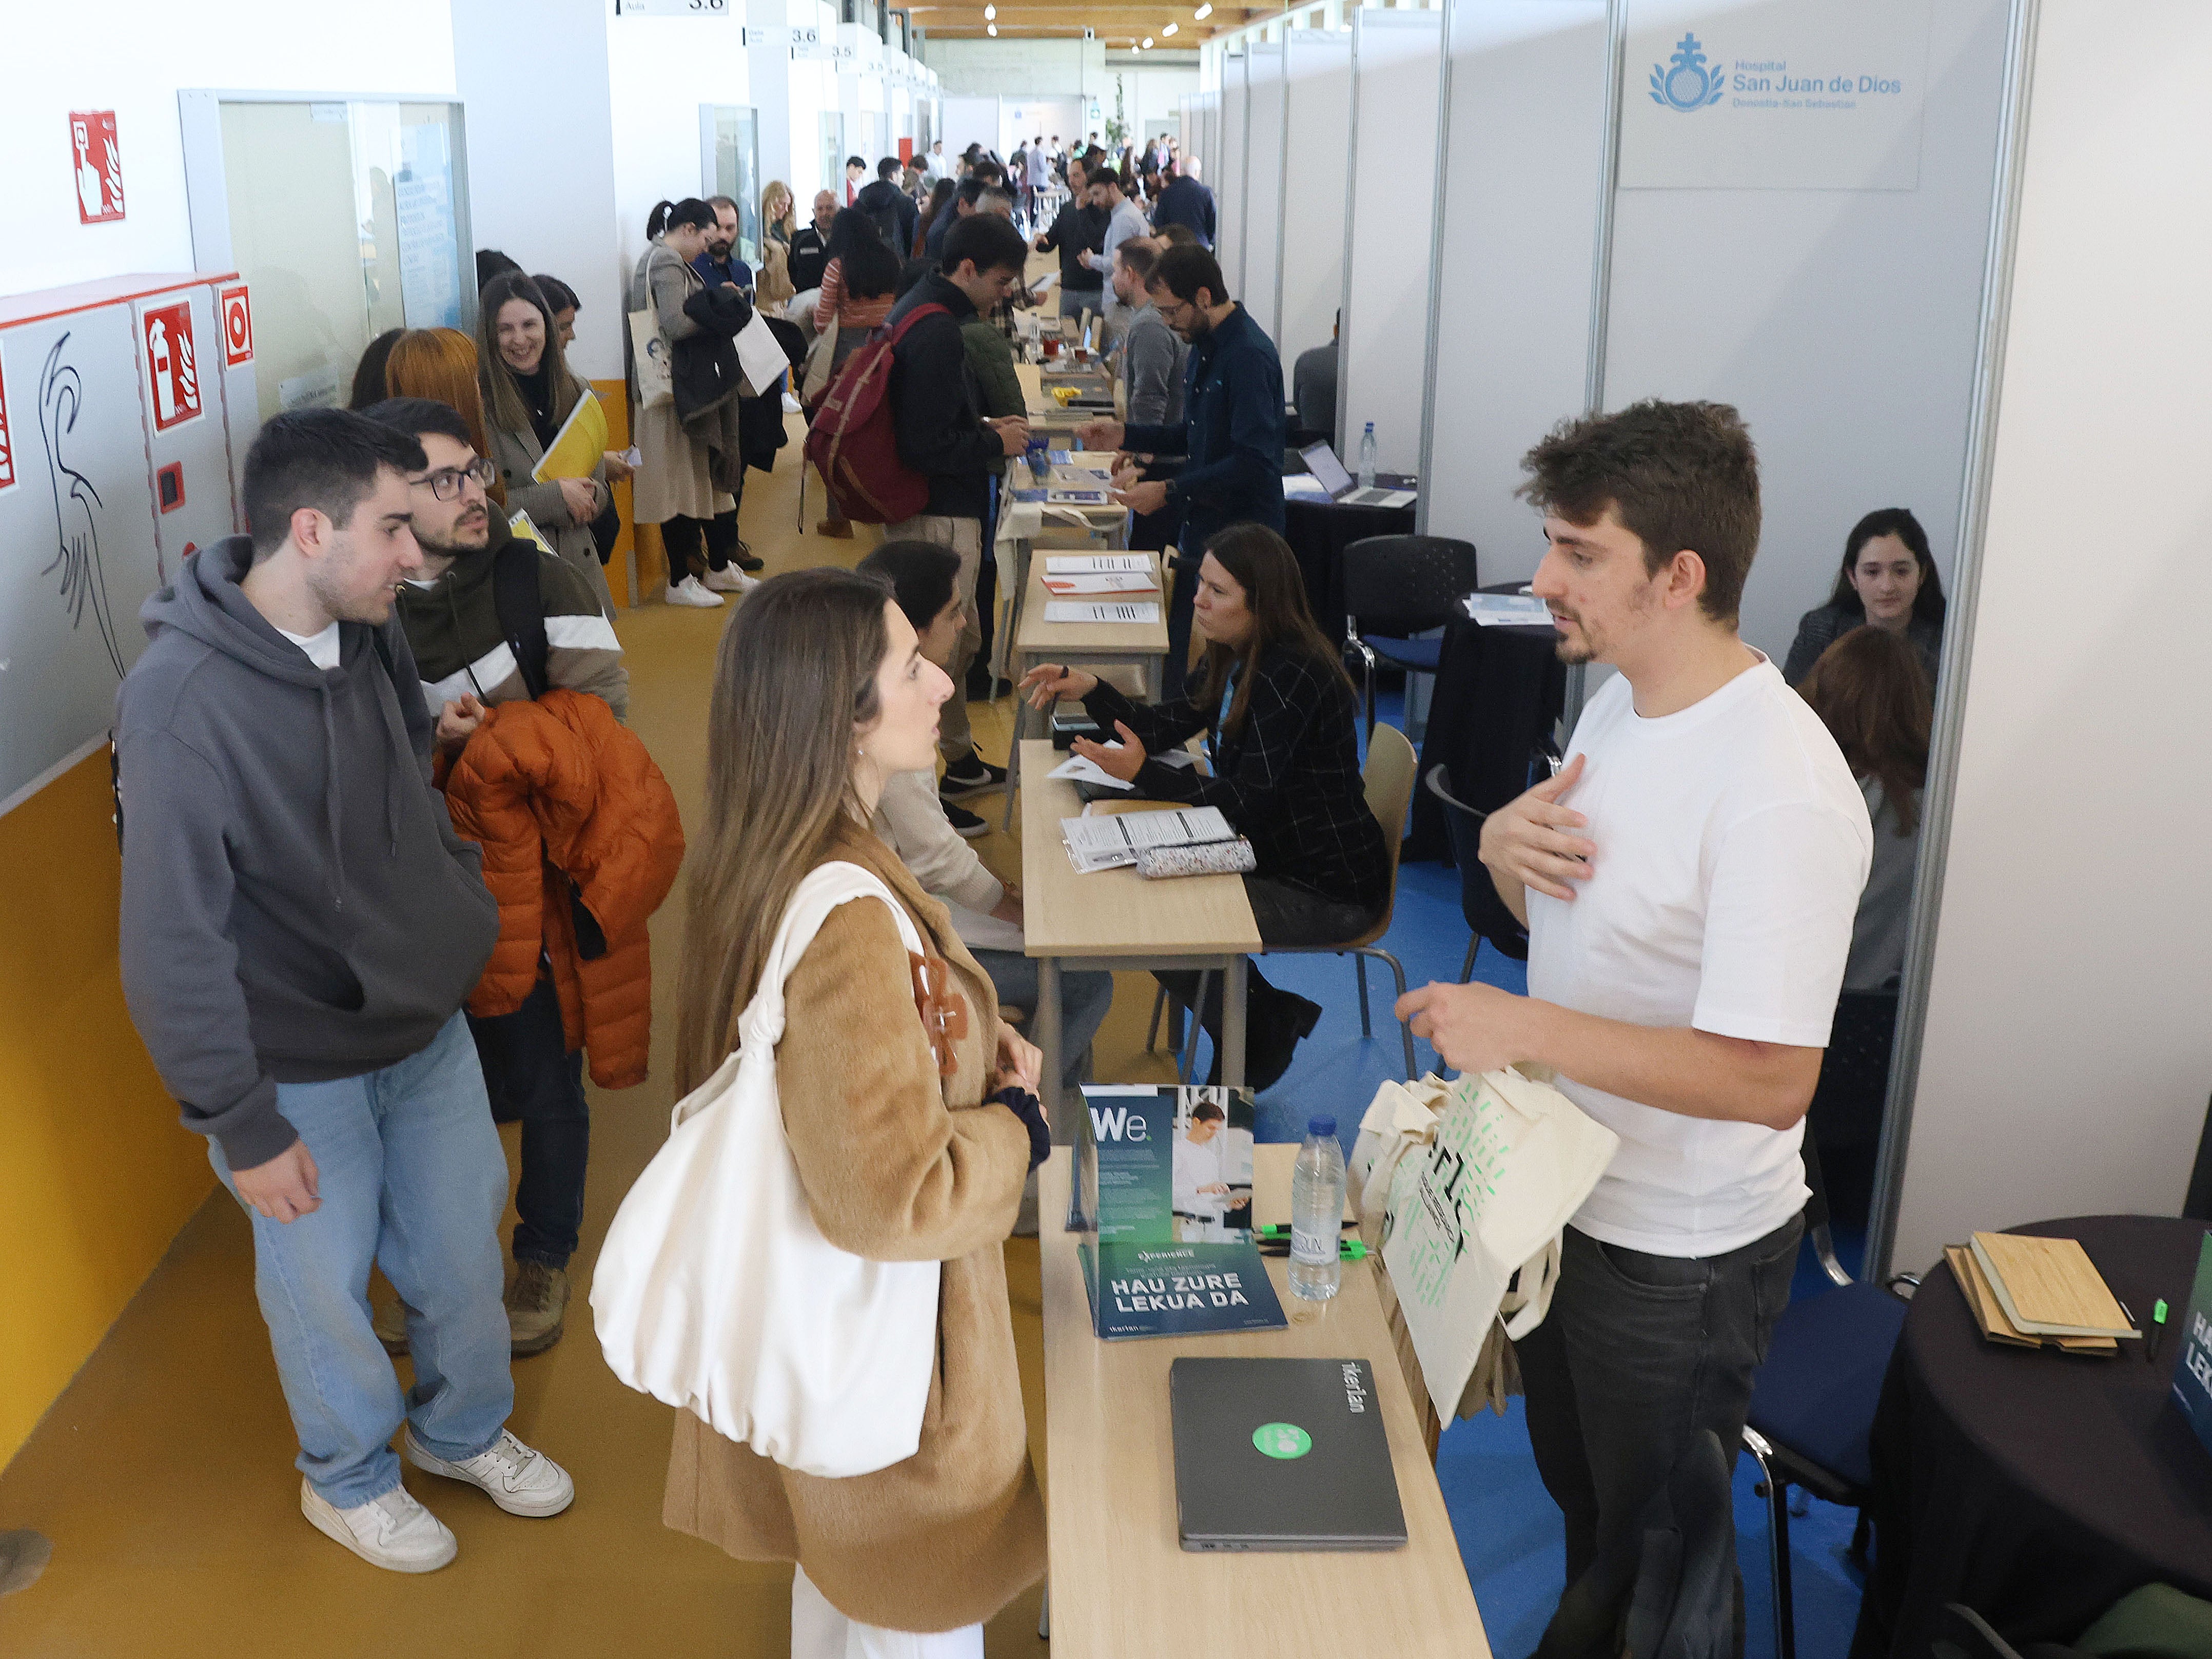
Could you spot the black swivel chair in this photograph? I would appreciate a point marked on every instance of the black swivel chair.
(1398, 586)
(1813, 1401)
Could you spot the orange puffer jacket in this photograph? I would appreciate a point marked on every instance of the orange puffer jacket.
(565, 801)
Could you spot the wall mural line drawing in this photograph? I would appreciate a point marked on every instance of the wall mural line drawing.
(83, 585)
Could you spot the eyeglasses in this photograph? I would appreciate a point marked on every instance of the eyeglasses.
(445, 484)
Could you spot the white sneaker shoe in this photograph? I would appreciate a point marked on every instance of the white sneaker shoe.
(519, 1480)
(790, 405)
(731, 580)
(688, 591)
(393, 1532)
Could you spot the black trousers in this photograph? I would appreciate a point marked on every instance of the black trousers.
(1636, 1354)
(695, 546)
(535, 1078)
(1285, 915)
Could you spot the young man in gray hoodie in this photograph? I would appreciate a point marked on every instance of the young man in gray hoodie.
(300, 925)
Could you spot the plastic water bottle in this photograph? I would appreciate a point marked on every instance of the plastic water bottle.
(1367, 458)
(1317, 1213)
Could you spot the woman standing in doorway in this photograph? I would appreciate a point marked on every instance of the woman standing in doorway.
(528, 394)
(675, 482)
(911, 1136)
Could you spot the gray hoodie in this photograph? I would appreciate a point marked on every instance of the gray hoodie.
(296, 906)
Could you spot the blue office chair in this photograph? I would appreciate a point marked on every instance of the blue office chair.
(1400, 585)
(1813, 1401)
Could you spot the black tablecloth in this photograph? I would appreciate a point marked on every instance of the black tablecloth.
(1498, 691)
(1319, 531)
(2035, 1487)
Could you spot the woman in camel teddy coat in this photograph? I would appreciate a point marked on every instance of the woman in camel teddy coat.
(902, 1154)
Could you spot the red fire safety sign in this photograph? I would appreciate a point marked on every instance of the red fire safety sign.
(97, 162)
(7, 445)
(172, 369)
(237, 327)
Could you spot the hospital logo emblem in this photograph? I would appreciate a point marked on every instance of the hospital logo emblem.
(1686, 81)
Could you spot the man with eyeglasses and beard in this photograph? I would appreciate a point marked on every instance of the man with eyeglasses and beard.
(1222, 463)
(298, 927)
(464, 640)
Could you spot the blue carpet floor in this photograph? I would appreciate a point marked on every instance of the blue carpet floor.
(1510, 1533)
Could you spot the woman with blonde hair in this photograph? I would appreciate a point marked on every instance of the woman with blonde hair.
(779, 211)
(529, 393)
(910, 1112)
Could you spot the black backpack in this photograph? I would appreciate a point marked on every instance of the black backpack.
(522, 616)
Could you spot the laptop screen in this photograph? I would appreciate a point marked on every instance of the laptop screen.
(1320, 460)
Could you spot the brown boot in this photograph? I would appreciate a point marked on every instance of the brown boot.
(537, 1303)
(840, 528)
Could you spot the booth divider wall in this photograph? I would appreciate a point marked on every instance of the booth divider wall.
(1258, 287)
(1229, 182)
(1515, 249)
(1317, 137)
(1835, 302)
(1384, 350)
(2066, 1054)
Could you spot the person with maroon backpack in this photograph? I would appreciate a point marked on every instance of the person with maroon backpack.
(942, 435)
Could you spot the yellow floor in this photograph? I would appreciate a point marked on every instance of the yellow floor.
(164, 1475)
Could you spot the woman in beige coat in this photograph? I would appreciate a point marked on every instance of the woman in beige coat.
(675, 486)
(911, 1117)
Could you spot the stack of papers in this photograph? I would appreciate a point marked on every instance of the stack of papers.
(1111, 843)
(1304, 487)
(1110, 582)
(1143, 612)
(1508, 611)
(1095, 564)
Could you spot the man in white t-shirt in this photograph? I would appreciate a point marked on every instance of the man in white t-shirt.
(1689, 879)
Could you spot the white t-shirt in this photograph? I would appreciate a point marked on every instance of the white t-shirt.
(322, 648)
(1732, 844)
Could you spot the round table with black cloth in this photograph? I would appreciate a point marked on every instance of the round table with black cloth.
(2036, 1487)
(1498, 693)
(1319, 531)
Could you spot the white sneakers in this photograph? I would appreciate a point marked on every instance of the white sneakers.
(519, 1480)
(731, 580)
(396, 1533)
(688, 591)
(393, 1532)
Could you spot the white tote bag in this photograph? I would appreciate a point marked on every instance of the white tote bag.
(1510, 1162)
(715, 1291)
(655, 381)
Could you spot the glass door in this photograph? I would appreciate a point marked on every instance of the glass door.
(737, 172)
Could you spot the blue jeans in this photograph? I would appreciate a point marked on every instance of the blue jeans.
(412, 1178)
(1084, 997)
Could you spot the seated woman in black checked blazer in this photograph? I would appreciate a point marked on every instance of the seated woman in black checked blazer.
(1282, 725)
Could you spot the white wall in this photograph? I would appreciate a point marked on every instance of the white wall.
(2068, 1054)
(660, 71)
(970, 120)
(1317, 116)
(1840, 322)
(1263, 187)
(541, 169)
(1226, 175)
(1386, 290)
(141, 57)
(1523, 149)
(988, 67)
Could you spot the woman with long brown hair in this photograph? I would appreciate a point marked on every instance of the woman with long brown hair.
(1871, 690)
(910, 1115)
(1282, 725)
(529, 393)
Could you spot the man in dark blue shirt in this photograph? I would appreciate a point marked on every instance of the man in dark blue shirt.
(721, 263)
(1187, 201)
(1230, 443)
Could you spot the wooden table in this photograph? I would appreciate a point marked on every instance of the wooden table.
(1046, 415)
(1143, 646)
(1116, 919)
(1120, 1583)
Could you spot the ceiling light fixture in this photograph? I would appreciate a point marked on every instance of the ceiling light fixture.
(1147, 46)
(991, 29)
(990, 12)
(1169, 30)
(1204, 11)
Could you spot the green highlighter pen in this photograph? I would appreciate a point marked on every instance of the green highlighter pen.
(2157, 1332)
